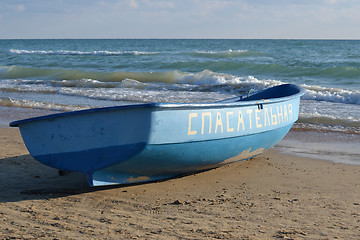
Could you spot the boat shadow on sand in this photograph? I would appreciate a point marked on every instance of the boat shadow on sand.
(24, 178)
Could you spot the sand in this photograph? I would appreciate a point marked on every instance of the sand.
(271, 196)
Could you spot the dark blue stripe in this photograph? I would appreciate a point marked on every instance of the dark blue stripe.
(91, 160)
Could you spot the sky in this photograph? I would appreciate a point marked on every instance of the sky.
(236, 19)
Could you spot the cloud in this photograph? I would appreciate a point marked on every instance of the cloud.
(160, 4)
(133, 4)
(180, 18)
(335, 1)
(16, 7)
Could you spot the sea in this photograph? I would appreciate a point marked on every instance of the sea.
(43, 76)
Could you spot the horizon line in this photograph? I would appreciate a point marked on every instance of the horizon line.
(344, 39)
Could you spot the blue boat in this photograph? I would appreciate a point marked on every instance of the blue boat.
(147, 142)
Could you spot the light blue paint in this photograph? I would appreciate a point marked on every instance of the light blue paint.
(156, 141)
(170, 160)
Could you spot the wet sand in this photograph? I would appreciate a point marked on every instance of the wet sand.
(271, 196)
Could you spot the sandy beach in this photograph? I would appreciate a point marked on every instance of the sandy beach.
(271, 196)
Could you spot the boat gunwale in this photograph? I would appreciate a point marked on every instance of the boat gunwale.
(166, 106)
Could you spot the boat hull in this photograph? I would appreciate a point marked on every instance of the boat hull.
(147, 142)
(159, 162)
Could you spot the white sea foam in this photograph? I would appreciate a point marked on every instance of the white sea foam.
(221, 52)
(209, 78)
(327, 119)
(332, 94)
(69, 52)
(24, 103)
(230, 53)
(144, 95)
(330, 116)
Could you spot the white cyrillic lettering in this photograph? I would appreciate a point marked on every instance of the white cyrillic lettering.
(240, 121)
(273, 117)
(191, 116)
(257, 118)
(286, 118)
(228, 129)
(203, 115)
(249, 112)
(280, 114)
(218, 122)
(290, 111)
(266, 117)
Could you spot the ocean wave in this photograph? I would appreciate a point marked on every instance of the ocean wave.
(25, 79)
(271, 69)
(69, 52)
(329, 120)
(337, 72)
(145, 95)
(205, 77)
(229, 54)
(4, 69)
(338, 95)
(330, 116)
(319, 126)
(16, 72)
(247, 68)
(9, 102)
